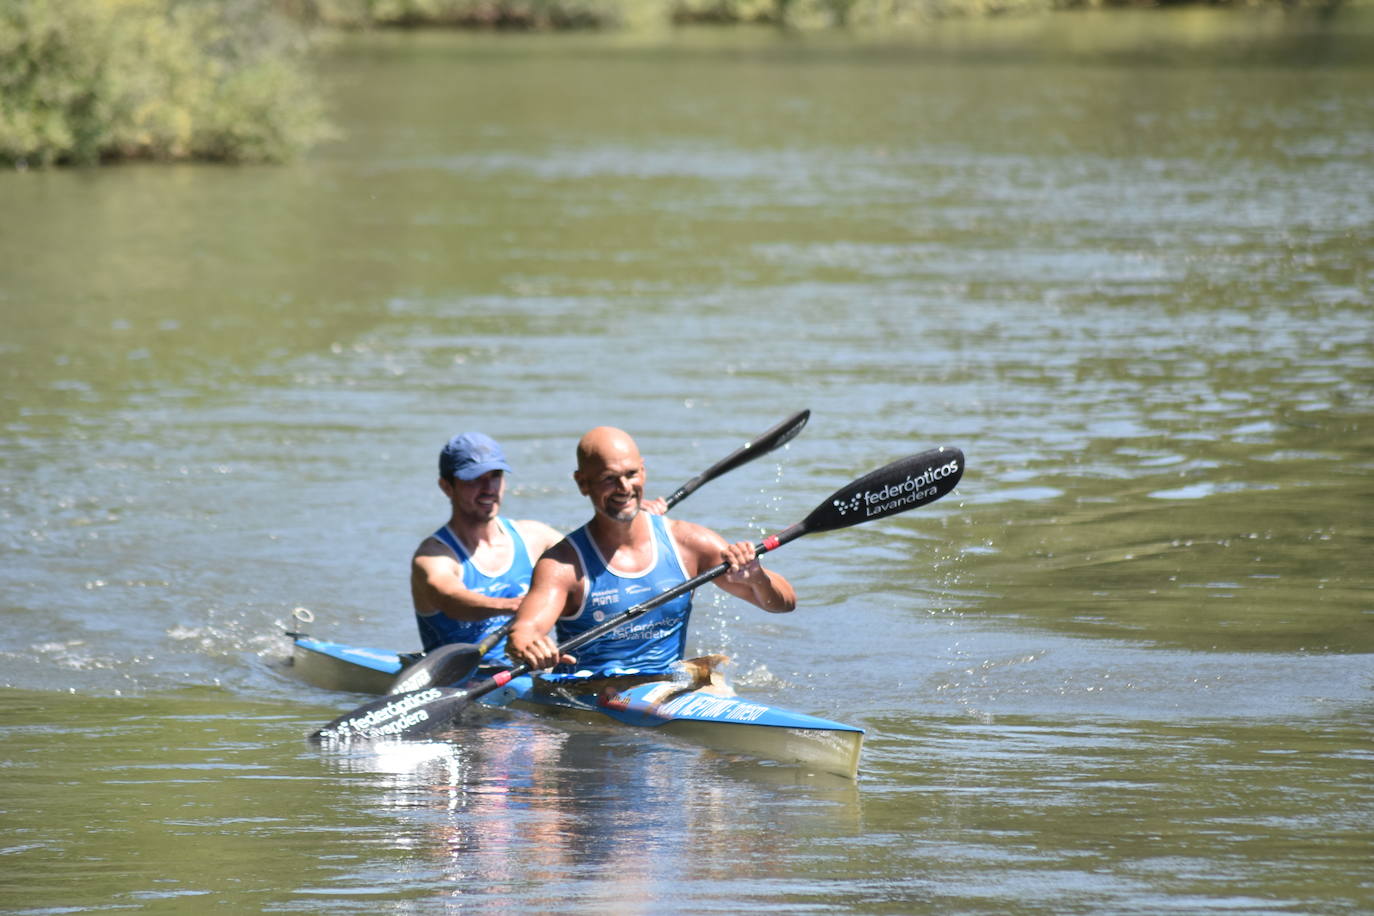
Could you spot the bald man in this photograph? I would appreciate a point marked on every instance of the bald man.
(628, 552)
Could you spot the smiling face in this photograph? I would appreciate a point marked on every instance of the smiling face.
(615, 489)
(610, 473)
(476, 500)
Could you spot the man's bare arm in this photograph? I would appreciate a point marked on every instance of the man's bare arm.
(436, 583)
(552, 591)
(747, 579)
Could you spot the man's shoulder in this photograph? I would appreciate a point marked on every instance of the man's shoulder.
(691, 532)
(433, 547)
(538, 536)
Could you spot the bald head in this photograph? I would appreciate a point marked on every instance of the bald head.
(605, 446)
(610, 473)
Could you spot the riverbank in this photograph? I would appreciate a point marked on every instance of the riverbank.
(600, 14)
(90, 81)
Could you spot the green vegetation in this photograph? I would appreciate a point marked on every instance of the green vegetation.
(474, 14)
(87, 81)
(84, 81)
(566, 14)
(563, 14)
(902, 13)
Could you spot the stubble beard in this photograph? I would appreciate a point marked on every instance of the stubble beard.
(627, 513)
(483, 512)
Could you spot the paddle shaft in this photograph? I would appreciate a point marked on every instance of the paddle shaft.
(501, 678)
(928, 477)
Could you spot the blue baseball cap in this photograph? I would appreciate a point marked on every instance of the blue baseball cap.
(470, 455)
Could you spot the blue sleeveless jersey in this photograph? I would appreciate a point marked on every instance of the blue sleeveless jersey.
(649, 643)
(438, 629)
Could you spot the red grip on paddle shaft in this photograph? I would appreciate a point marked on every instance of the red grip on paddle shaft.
(774, 541)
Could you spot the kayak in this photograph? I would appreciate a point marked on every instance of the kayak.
(703, 716)
(697, 707)
(336, 666)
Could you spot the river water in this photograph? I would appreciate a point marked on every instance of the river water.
(1123, 262)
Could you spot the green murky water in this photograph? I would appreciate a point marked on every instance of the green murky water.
(1123, 262)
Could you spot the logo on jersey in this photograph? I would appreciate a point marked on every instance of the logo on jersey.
(606, 596)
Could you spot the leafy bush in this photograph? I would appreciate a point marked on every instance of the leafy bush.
(83, 81)
(474, 14)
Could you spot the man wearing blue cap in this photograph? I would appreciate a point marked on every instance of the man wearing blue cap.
(467, 578)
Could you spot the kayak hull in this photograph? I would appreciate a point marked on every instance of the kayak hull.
(724, 723)
(703, 717)
(336, 666)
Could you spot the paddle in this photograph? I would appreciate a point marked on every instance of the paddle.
(766, 442)
(454, 663)
(905, 484)
(451, 663)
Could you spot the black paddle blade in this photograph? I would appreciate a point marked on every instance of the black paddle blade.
(904, 484)
(417, 714)
(441, 667)
(772, 438)
(775, 437)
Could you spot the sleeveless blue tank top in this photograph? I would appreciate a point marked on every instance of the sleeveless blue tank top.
(438, 629)
(649, 644)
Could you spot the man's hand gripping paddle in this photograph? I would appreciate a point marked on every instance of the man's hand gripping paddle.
(455, 662)
(913, 481)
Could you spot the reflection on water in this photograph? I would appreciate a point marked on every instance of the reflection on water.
(516, 805)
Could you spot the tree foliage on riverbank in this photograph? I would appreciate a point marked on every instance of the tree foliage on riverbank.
(562, 14)
(84, 81)
(472, 14)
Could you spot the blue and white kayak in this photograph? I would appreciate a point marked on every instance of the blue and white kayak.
(336, 666)
(703, 716)
(726, 723)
